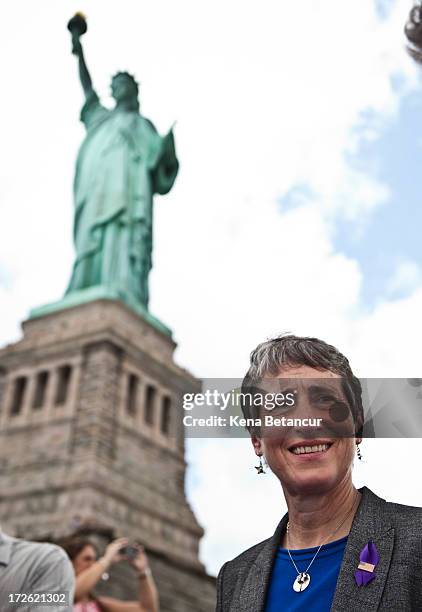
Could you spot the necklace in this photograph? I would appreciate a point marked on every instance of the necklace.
(303, 579)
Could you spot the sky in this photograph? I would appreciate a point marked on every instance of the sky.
(297, 207)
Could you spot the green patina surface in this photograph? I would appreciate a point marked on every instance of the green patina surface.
(121, 164)
(84, 296)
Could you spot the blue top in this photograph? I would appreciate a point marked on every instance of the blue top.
(324, 571)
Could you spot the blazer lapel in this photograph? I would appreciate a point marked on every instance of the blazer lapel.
(250, 595)
(371, 522)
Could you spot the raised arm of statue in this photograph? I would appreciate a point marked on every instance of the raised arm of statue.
(84, 75)
(77, 27)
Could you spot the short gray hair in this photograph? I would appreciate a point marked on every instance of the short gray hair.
(269, 357)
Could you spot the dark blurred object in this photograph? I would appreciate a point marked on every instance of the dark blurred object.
(77, 25)
(415, 382)
(413, 31)
(130, 552)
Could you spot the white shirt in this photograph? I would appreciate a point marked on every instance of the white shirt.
(34, 567)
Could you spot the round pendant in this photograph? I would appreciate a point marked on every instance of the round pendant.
(302, 582)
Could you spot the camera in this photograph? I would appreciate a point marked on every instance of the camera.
(130, 552)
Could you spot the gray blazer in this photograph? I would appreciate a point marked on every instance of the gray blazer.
(396, 531)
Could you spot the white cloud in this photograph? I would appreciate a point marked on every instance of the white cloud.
(266, 97)
(406, 277)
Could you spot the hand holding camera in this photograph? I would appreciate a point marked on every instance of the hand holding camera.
(135, 554)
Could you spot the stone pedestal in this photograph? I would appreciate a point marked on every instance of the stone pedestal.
(91, 434)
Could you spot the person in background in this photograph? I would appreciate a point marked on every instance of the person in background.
(89, 568)
(30, 568)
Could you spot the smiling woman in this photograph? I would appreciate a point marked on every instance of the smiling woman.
(337, 548)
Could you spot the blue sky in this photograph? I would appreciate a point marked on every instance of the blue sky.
(393, 232)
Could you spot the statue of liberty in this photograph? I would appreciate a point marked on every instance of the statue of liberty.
(121, 164)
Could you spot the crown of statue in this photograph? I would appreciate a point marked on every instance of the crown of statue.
(128, 76)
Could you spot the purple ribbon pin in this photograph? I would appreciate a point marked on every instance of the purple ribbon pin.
(369, 559)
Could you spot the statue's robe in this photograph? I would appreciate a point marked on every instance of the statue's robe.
(122, 162)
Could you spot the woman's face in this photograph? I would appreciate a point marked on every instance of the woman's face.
(84, 559)
(315, 459)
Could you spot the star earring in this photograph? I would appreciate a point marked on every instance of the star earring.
(260, 468)
(359, 454)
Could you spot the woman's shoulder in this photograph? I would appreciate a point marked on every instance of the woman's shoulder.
(249, 555)
(406, 520)
(236, 570)
(380, 517)
(403, 512)
(258, 554)
(397, 513)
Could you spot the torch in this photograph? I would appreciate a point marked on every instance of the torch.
(77, 26)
